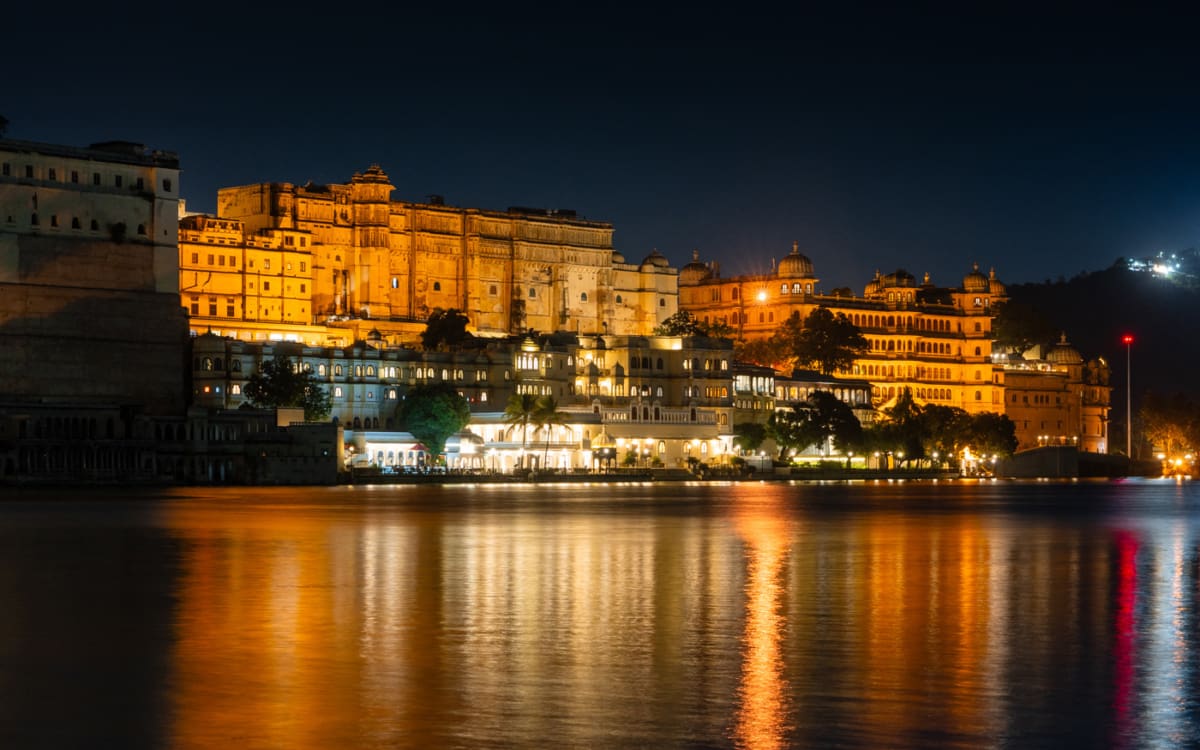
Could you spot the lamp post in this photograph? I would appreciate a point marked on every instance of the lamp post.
(1128, 341)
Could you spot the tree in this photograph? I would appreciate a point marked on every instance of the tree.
(432, 413)
(828, 341)
(683, 323)
(768, 352)
(282, 382)
(1171, 424)
(546, 414)
(445, 328)
(749, 435)
(521, 409)
(989, 432)
(821, 417)
(1019, 326)
(944, 429)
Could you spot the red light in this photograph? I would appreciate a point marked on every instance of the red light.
(1127, 339)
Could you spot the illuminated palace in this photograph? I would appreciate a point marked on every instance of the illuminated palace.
(934, 340)
(326, 264)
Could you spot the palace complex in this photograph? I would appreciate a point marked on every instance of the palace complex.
(102, 274)
(327, 264)
(936, 341)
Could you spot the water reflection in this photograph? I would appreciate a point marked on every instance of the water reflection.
(762, 719)
(753, 616)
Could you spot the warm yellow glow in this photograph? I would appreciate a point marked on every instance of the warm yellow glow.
(762, 295)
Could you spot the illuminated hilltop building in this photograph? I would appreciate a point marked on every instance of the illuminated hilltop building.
(326, 264)
(934, 340)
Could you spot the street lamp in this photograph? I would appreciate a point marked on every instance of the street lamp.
(1127, 339)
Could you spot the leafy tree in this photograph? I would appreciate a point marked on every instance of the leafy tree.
(684, 323)
(432, 413)
(944, 429)
(989, 432)
(445, 328)
(1171, 424)
(749, 435)
(790, 430)
(521, 409)
(821, 417)
(901, 431)
(282, 382)
(546, 414)
(829, 341)
(769, 352)
(1019, 326)
(516, 314)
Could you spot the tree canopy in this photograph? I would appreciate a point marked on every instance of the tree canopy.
(432, 413)
(913, 432)
(445, 328)
(829, 342)
(1019, 326)
(749, 435)
(684, 323)
(282, 382)
(821, 417)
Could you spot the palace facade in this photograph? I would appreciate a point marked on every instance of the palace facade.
(326, 264)
(936, 341)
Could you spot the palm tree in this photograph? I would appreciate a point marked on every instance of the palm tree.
(547, 414)
(522, 409)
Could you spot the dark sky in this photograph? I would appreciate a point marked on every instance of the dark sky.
(1037, 145)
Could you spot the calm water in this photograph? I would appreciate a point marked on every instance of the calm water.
(662, 616)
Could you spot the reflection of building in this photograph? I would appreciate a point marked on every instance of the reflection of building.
(279, 258)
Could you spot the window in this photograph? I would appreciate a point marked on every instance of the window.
(167, 186)
(662, 302)
(303, 265)
(53, 173)
(303, 288)
(212, 306)
(141, 229)
(266, 286)
(235, 389)
(117, 180)
(618, 299)
(195, 305)
(583, 296)
(532, 292)
(140, 183)
(29, 171)
(75, 222)
(95, 226)
(337, 391)
(33, 219)
(53, 220)
(437, 286)
(492, 290)
(229, 307)
(6, 170)
(232, 261)
(395, 282)
(95, 178)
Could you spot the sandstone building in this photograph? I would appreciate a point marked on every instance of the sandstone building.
(936, 341)
(326, 264)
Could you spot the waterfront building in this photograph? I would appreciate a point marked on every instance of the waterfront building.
(89, 283)
(660, 399)
(1054, 397)
(934, 340)
(326, 264)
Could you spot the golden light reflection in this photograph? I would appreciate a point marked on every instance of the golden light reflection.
(762, 719)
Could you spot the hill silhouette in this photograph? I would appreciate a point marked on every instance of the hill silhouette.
(1096, 309)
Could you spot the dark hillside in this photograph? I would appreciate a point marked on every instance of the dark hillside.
(1097, 309)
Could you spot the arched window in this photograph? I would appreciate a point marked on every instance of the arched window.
(658, 391)
(619, 300)
(658, 365)
(206, 364)
(437, 286)
(583, 296)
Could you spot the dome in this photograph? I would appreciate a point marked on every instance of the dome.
(994, 286)
(656, 259)
(694, 272)
(975, 281)
(872, 287)
(617, 257)
(795, 265)
(899, 277)
(1063, 353)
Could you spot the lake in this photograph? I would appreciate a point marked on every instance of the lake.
(649, 615)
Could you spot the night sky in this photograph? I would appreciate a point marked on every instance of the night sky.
(1040, 146)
